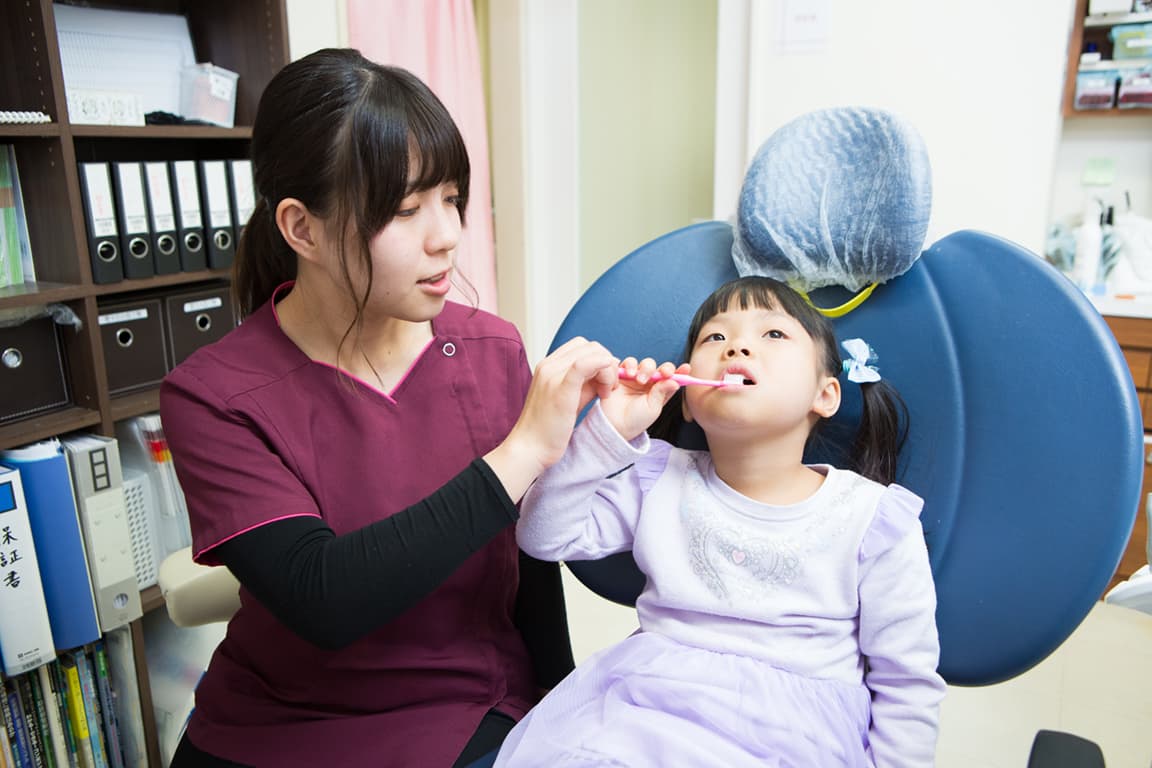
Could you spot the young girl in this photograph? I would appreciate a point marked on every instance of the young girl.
(789, 613)
(354, 451)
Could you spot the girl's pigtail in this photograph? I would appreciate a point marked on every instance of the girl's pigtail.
(882, 432)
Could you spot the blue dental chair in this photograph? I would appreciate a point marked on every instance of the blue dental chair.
(1025, 441)
(1025, 431)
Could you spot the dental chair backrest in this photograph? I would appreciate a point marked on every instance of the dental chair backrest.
(1025, 439)
(1025, 433)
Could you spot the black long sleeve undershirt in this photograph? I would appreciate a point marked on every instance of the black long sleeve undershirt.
(332, 590)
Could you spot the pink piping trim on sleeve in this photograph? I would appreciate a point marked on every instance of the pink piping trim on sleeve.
(197, 555)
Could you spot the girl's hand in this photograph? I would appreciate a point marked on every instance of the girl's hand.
(564, 382)
(634, 405)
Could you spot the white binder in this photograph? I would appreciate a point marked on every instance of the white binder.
(132, 216)
(243, 192)
(218, 212)
(189, 221)
(99, 486)
(25, 633)
(162, 217)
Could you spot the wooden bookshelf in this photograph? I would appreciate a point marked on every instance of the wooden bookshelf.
(1095, 29)
(248, 37)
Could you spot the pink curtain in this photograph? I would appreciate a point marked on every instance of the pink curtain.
(436, 40)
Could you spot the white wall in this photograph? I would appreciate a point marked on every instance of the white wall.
(316, 24)
(647, 84)
(1126, 141)
(981, 80)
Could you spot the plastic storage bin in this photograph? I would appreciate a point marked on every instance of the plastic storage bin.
(1135, 90)
(1096, 89)
(208, 93)
(1131, 41)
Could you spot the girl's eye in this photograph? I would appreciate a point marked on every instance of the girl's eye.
(453, 200)
(405, 213)
(774, 334)
(717, 336)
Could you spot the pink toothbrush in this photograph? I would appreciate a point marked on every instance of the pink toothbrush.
(729, 380)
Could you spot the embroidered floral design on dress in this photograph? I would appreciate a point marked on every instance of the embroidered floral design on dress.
(740, 557)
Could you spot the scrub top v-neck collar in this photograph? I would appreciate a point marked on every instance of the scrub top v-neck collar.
(448, 349)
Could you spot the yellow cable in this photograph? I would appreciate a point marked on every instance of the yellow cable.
(844, 308)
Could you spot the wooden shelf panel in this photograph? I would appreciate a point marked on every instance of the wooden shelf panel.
(17, 130)
(160, 132)
(135, 403)
(159, 281)
(1113, 112)
(1112, 19)
(151, 598)
(45, 425)
(33, 294)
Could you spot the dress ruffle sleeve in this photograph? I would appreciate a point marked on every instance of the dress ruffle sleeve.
(897, 514)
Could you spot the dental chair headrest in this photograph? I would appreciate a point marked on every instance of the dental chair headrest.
(835, 197)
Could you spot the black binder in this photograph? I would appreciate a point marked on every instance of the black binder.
(162, 218)
(132, 218)
(189, 218)
(100, 217)
(217, 207)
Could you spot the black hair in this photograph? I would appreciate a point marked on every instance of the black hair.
(336, 132)
(883, 426)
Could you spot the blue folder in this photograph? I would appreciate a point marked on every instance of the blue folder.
(59, 547)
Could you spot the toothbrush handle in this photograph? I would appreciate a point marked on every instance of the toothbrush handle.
(680, 378)
(683, 378)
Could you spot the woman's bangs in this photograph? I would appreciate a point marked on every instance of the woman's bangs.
(440, 155)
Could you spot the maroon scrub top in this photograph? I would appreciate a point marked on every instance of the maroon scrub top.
(260, 432)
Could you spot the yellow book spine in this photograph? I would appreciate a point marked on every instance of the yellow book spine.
(76, 703)
(75, 697)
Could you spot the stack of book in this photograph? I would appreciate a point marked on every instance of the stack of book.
(68, 591)
(80, 709)
(15, 246)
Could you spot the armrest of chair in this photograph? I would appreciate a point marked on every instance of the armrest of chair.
(197, 594)
(1056, 749)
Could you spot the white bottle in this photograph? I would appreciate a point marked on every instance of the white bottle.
(1089, 241)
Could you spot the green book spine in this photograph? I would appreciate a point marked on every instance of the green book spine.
(35, 741)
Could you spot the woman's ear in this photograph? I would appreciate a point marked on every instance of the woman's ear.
(827, 400)
(299, 227)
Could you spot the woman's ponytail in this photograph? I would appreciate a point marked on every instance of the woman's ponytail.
(263, 261)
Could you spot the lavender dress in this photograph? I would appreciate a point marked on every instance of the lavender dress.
(799, 635)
